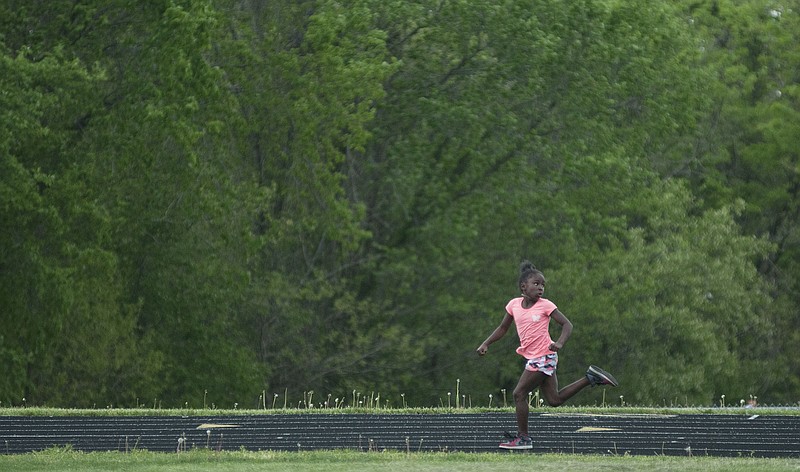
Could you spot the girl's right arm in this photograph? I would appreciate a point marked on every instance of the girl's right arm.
(498, 333)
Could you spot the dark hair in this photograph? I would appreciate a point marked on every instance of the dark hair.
(527, 270)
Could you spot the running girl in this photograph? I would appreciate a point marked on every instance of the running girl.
(532, 314)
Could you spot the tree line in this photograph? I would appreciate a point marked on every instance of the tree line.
(223, 201)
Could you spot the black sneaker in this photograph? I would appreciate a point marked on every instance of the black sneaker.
(517, 442)
(598, 376)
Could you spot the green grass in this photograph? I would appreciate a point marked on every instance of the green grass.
(63, 460)
(43, 411)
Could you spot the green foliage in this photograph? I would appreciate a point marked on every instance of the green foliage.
(677, 309)
(65, 328)
(552, 167)
(745, 149)
(213, 200)
(307, 80)
(179, 223)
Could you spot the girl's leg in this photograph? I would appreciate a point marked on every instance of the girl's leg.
(556, 397)
(527, 382)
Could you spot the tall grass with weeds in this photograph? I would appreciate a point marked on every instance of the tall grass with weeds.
(493, 408)
(356, 401)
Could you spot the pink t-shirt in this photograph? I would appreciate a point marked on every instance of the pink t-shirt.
(532, 326)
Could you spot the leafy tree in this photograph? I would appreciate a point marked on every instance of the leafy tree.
(675, 306)
(207, 200)
(307, 76)
(180, 228)
(490, 146)
(132, 149)
(67, 337)
(745, 147)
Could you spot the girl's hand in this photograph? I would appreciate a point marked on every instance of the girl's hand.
(556, 346)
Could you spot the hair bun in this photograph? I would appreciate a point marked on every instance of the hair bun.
(526, 266)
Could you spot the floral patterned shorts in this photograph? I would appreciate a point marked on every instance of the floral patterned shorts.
(545, 364)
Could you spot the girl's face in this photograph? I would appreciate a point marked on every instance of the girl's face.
(533, 287)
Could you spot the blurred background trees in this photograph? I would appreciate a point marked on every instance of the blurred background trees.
(206, 201)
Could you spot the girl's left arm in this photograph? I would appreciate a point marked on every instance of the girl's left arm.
(566, 329)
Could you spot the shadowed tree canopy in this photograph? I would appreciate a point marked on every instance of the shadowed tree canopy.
(219, 202)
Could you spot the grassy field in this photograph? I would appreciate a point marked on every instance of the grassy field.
(63, 460)
(43, 411)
